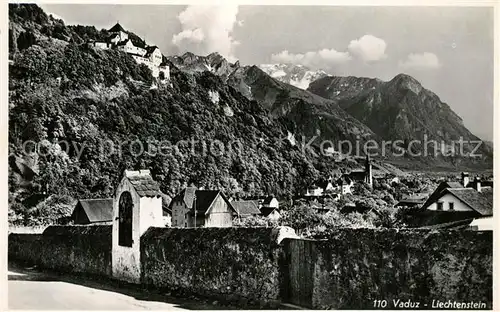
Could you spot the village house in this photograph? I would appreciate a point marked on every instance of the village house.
(88, 211)
(270, 213)
(202, 208)
(246, 208)
(454, 201)
(320, 188)
(270, 202)
(345, 185)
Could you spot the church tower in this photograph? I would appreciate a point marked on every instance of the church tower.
(368, 171)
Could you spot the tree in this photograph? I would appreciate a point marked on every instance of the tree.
(25, 40)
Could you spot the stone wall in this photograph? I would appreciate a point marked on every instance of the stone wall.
(348, 269)
(352, 268)
(233, 264)
(79, 249)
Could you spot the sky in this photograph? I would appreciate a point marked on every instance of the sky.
(448, 49)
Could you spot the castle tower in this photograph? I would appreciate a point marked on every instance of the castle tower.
(368, 171)
(137, 205)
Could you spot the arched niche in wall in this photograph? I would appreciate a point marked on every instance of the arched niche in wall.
(125, 206)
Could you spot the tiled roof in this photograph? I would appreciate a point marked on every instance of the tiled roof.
(454, 184)
(246, 207)
(97, 210)
(481, 202)
(143, 183)
(439, 190)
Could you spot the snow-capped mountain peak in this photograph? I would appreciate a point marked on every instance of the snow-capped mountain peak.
(296, 75)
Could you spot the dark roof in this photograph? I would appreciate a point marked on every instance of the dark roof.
(122, 43)
(144, 185)
(116, 28)
(357, 174)
(246, 207)
(204, 199)
(111, 37)
(266, 211)
(151, 49)
(412, 201)
(481, 202)
(322, 184)
(267, 200)
(97, 210)
(186, 196)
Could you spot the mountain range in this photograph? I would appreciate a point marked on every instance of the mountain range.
(355, 108)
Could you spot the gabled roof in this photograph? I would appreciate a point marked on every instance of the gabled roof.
(267, 200)
(481, 202)
(266, 211)
(246, 207)
(143, 183)
(437, 193)
(97, 210)
(203, 200)
(116, 28)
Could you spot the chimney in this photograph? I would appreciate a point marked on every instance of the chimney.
(465, 179)
(477, 184)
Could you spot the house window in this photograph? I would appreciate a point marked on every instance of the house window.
(125, 220)
(452, 206)
(440, 206)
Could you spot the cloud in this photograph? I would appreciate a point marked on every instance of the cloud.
(207, 29)
(324, 58)
(368, 48)
(420, 61)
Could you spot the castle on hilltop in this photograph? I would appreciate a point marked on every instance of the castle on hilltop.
(150, 56)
